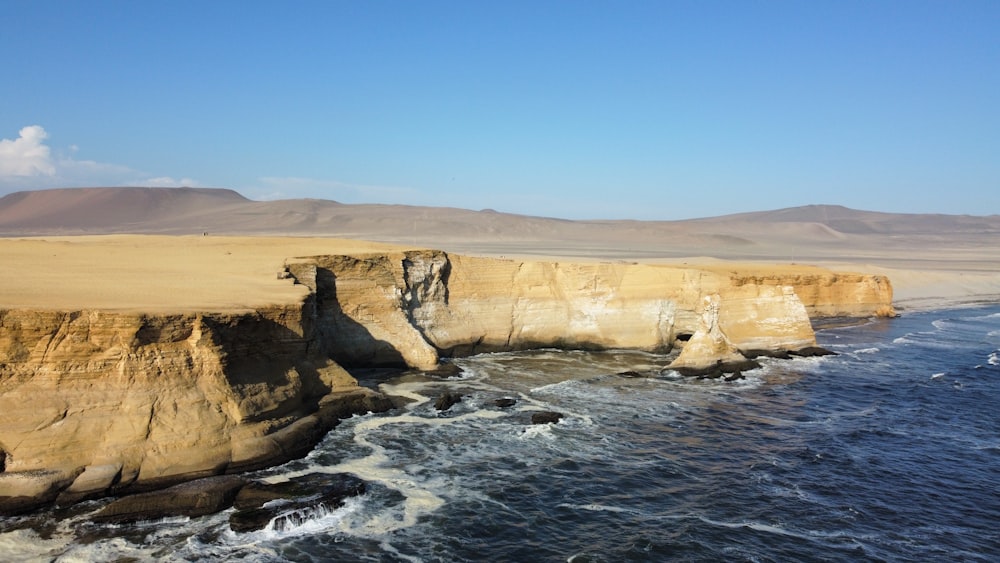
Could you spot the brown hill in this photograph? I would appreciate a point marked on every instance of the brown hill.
(928, 257)
(106, 209)
(852, 221)
(818, 232)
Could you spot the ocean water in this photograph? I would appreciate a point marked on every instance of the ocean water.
(888, 451)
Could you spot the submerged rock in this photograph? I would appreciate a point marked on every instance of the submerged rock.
(444, 370)
(259, 503)
(810, 351)
(446, 401)
(194, 498)
(546, 417)
(778, 354)
(735, 376)
(505, 402)
(720, 369)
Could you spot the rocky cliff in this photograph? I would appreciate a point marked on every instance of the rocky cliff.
(411, 308)
(99, 402)
(95, 403)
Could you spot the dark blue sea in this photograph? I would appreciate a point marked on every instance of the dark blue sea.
(888, 451)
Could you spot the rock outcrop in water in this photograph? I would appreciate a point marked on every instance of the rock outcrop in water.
(96, 402)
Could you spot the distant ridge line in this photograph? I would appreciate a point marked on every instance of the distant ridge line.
(190, 210)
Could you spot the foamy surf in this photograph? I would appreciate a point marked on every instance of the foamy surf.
(792, 461)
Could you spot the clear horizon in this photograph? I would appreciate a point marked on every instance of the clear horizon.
(580, 111)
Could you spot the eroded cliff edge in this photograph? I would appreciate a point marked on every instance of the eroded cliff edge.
(99, 402)
(412, 308)
(95, 403)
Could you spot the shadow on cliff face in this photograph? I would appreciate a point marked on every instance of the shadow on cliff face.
(284, 378)
(191, 395)
(343, 339)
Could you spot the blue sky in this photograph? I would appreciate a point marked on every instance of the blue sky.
(584, 109)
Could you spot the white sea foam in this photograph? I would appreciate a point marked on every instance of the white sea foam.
(537, 431)
(596, 508)
(762, 527)
(924, 340)
(376, 467)
(27, 545)
(113, 549)
(994, 358)
(421, 463)
(560, 387)
(408, 390)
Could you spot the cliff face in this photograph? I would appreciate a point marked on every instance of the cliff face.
(94, 402)
(410, 308)
(834, 294)
(97, 402)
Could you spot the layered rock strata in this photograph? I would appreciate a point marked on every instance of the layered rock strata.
(98, 402)
(411, 308)
(95, 403)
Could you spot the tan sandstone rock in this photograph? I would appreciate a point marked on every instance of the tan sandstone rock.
(407, 308)
(94, 402)
(98, 401)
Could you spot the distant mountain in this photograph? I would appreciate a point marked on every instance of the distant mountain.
(73, 210)
(851, 221)
(197, 210)
(832, 232)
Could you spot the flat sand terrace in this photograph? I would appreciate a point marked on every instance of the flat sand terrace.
(157, 274)
(194, 273)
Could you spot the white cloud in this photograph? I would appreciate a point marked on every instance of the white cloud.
(28, 163)
(26, 155)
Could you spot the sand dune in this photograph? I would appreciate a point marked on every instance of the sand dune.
(930, 258)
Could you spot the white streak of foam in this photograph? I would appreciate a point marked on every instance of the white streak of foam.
(376, 468)
(407, 390)
(554, 387)
(761, 527)
(597, 508)
(27, 545)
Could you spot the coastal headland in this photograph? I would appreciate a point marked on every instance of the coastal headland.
(131, 362)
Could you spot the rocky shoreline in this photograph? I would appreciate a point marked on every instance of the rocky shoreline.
(100, 403)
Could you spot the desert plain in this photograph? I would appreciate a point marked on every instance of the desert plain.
(191, 249)
(219, 328)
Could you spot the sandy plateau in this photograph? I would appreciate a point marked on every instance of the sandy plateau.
(156, 274)
(932, 260)
(150, 337)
